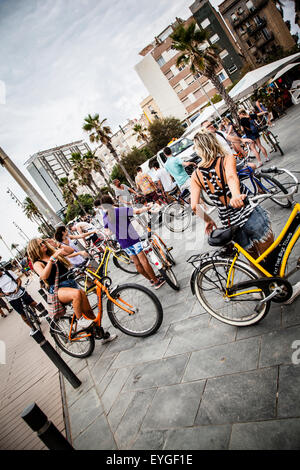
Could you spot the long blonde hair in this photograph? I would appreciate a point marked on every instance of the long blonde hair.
(207, 147)
(35, 253)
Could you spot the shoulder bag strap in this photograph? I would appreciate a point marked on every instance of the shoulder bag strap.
(223, 185)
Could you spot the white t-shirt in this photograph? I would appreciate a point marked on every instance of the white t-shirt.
(165, 179)
(8, 285)
(84, 226)
(75, 260)
(223, 142)
(123, 193)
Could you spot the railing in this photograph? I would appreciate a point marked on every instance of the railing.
(262, 41)
(248, 13)
(253, 29)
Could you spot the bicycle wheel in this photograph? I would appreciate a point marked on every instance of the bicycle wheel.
(210, 285)
(169, 277)
(274, 142)
(79, 347)
(164, 250)
(32, 318)
(272, 186)
(148, 312)
(177, 217)
(123, 261)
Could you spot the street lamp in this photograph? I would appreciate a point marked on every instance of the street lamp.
(17, 226)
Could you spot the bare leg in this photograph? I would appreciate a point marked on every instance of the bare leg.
(2, 313)
(149, 273)
(261, 147)
(253, 148)
(68, 294)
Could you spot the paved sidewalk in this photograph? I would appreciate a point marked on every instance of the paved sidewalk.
(28, 376)
(197, 383)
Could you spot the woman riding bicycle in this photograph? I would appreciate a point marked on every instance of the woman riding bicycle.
(45, 261)
(217, 176)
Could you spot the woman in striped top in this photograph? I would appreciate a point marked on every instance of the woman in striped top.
(217, 176)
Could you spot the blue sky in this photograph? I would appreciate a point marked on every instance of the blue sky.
(63, 59)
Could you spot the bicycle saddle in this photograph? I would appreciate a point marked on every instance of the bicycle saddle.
(222, 236)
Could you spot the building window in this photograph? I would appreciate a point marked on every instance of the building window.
(233, 17)
(213, 39)
(169, 74)
(249, 43)
(198, 93)
(232, 69)
(240, 11)
(197, 75)
(177, 88)
(186, 101)
(181, 67)
(205, 23)
(221, 76)
(250, 5)
(266, 33)
(161, 61)
(189, 80)
(223, 54)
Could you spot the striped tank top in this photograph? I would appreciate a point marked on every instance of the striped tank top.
(228, 216)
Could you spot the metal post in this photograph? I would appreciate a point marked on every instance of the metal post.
(56, 359)
(45, 429)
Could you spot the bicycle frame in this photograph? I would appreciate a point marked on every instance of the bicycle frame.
(274, 260)
(101, 288)
(248, 172)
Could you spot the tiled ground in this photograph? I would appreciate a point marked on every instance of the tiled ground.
(197, 383)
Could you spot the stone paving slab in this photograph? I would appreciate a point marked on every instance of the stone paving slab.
(199, 438)
(241, 397)
(174, 406)
(266, 435)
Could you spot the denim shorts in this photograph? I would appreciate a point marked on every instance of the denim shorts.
(67, 283)
(255, 229)
(134, 250)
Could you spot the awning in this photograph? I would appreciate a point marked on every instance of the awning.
(284, 70)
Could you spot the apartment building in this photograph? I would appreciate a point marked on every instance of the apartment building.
(176, 91)
(151, 109)
(49, 166)
(209, 19)
(258, 27)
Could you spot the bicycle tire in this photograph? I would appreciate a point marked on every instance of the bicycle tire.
(279, 202)
(32, 318)
(170, 278)
(163, 247)
(207, 273)
(60, 333)
(127, 265)
(174, 212)
(130, 327)
(275, 143)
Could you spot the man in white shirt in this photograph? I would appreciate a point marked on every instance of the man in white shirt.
(163, 179)
(123, 193)
(11, 290)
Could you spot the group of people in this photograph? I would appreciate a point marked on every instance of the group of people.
(216, 175)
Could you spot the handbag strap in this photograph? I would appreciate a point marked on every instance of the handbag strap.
(56, 282)
(223, 185)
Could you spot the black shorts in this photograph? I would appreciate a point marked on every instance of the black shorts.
(17, 303)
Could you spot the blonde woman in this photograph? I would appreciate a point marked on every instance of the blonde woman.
(45, 260)
(255, 233)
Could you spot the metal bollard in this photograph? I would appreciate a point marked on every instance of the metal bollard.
(56, 359)
(46, 431)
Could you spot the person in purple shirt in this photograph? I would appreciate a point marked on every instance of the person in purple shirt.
(117, 220)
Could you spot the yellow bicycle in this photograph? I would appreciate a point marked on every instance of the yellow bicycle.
(232, 291)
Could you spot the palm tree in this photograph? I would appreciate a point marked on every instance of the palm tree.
(69, 192)
(33, 213)
(83, 172)
(141, 133)
(96, 165)
(14, 246)
(191, 42)
(100, 133)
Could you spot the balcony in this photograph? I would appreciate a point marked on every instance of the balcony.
(263, 41)
(248, 13)
(253, 29)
